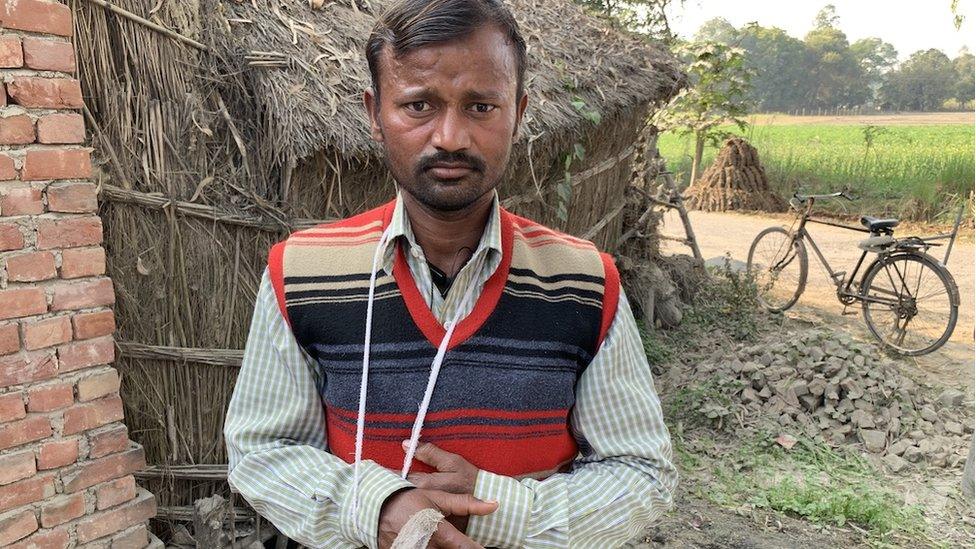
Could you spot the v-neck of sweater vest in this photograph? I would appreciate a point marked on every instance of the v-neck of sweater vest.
(421, 314)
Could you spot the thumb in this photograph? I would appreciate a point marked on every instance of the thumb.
(461, 504)
(429, 453)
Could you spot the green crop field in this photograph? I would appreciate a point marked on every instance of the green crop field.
(920, 172)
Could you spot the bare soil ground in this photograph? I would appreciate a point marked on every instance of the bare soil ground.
(896, 119)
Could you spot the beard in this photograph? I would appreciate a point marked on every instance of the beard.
(440, 194)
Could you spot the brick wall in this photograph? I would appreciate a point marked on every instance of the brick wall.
(66, 461)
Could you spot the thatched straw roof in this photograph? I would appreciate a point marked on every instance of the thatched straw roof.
(307, 68)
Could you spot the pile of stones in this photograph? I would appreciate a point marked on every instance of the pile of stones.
(828, 387)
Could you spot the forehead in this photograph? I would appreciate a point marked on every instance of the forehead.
(484, 60)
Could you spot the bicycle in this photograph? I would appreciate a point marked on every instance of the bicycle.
(909, 300)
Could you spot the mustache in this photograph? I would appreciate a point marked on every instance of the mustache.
(457, 157)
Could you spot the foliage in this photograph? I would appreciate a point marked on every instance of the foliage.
(717, 95)
(888, 167)
(922, 83)
(643, 16)
(824, 71)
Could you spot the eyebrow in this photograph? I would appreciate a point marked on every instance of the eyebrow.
(470, 95)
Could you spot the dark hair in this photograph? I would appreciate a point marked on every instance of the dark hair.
(408, 25)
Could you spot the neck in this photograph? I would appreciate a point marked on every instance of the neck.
(445, 235)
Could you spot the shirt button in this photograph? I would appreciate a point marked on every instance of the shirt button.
(415, 252)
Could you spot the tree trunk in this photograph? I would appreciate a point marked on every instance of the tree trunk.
(696, 161)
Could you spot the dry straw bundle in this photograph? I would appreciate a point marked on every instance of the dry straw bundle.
(215, 144)
(735, 181)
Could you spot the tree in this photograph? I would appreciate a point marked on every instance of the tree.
(717, 29)
(781, 67)
(643, 16)
(826, 18)
(965, 77)
(922, 83)
(837, 76)
(876, 58)
(717, 95)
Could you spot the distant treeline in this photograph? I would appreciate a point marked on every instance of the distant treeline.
(824, 72)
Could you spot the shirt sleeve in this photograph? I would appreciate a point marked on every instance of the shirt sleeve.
(624, 479)
(276, 443)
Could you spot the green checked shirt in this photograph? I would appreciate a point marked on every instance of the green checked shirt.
(280, 462)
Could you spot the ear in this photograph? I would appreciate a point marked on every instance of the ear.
(373, 110)
(519, 112)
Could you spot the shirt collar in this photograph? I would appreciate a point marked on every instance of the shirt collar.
(491, 238)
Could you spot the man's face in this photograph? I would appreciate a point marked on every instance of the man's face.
(447, 117)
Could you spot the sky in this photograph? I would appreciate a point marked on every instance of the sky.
(909, 25)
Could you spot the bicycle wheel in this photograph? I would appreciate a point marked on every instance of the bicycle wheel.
(910, 303)
(779, 263)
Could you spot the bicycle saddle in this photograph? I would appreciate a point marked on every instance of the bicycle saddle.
(875, 224)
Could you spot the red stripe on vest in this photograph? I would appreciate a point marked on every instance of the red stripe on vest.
(611, 295)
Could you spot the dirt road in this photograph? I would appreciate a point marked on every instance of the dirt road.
(721, 232)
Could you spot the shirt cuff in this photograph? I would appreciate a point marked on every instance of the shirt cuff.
(376, 483)
(507, 526)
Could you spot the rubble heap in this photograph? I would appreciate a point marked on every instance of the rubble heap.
(828, 387)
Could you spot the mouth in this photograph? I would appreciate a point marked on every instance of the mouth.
(450, 171)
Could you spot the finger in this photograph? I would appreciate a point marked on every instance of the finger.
(420, 480)
(429, 453)
(461, 504)
(448, 537)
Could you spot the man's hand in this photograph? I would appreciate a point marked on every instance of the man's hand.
(454, 473)
(399, 507)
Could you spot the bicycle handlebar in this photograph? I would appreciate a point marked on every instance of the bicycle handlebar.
(841, 194)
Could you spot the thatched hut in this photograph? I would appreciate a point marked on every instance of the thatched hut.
(220, 126)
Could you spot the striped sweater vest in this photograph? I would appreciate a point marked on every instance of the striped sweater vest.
(506, 387)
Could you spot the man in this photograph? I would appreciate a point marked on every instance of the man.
(506, 348)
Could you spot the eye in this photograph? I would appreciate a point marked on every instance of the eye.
(417, 106)
(484, 108)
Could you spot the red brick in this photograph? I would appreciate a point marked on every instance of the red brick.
(135, 538)
(16, 130)
(47, 332)
(11, 52)
(57, 453)
(115, 466)
(56, 164)
(138, 510)
(44, 93)
(31, 267)
(115, 492)
(72, 197)
(50, 397)
(11, 407)
(45, 539)
(83, 295)
(61, 510)
(109, 441)
(9, 339)
(94, 324)
(24, 431)
(37, 16)
(21, 201)
(98, 385)
(83, 417)
(69, 233)
(62, 127)
(18, 302)
(86, 353)
(17, 526)
(49, 55)
(7, 169)
(26, 367)
(26, 491)
(14, 467)
(82, 262)
(10, 237)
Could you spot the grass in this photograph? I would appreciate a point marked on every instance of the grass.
(916, 172)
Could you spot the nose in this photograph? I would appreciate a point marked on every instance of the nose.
(451, 132)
